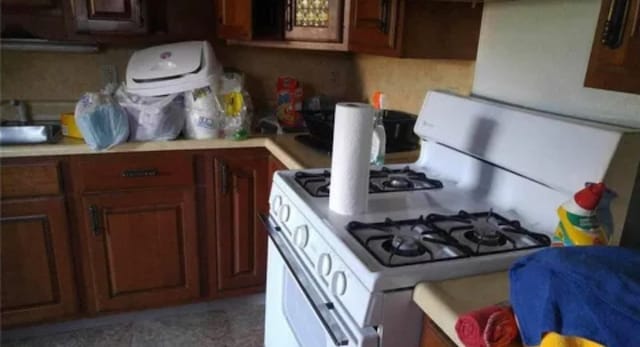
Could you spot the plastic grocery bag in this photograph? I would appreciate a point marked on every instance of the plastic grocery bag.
(102, 122)
(157, 118)
(236, 105)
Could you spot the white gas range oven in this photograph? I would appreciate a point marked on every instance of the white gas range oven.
(483, 193)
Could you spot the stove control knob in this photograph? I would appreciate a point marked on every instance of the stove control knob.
(301, 236)
(276, 203)
(284, 213)
(339, 283)
(324, 264)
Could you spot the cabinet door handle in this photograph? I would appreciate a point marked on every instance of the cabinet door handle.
(140, 172)
(289, 15)
(384, 15)
(94, 217)
(613, 30)
(224, 178)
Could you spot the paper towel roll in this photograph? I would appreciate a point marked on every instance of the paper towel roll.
(353, 127)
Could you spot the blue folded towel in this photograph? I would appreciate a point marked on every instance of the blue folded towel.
(590, 292)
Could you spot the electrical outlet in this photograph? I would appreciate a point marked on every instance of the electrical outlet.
(109, 74)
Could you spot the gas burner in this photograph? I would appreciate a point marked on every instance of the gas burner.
(404, 246)
(487, 232)
(406, 242)
(323, 189)
(397, 182)
(492, 240)
(384, 180)
(440, 237)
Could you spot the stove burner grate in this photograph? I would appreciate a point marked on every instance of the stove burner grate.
(384, 180)
(421, 240)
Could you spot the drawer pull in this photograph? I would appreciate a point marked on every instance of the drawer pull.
(140, 173)
(94, 217)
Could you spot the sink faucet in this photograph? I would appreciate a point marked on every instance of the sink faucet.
(21, 111)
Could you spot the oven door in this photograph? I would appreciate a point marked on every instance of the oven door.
(298, 314)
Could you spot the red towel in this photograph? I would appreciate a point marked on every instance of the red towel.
(493, 326)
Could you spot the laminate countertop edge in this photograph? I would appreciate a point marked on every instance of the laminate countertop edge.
(291, 153)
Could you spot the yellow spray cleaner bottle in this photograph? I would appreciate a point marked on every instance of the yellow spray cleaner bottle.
(579, 224)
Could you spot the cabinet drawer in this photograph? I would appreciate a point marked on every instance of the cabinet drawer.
(133, 170)
(25, 180)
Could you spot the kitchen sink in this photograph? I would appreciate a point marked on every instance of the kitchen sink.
(16, 133)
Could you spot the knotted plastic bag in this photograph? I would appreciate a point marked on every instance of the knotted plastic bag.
(101, 120)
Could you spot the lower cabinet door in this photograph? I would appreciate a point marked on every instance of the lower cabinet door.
(37, 274)
(142, 248)
(241, 193)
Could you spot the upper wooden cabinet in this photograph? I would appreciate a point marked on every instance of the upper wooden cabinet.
(404, 28)
(234, 19)
(114, 16)
(314, 20)
(615, 56)
(109, 21)
(34, 18)
(376, 26)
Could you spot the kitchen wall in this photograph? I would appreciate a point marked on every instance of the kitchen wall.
(55, 79)
(64, 77)
(535, 53)
(406, 81)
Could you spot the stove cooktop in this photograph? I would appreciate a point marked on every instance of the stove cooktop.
(384, 180)
(439, 237)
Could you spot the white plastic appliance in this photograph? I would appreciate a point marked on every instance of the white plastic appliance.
(325, 288)
(172, 68)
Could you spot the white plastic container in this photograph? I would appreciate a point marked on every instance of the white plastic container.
(203, 114)
(173, 68)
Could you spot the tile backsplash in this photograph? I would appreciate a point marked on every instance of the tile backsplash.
(56, 78)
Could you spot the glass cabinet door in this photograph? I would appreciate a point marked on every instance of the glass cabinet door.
(314, 20)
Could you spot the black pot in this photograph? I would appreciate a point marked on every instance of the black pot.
(398, 128)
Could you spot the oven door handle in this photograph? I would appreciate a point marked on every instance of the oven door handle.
(321, 309)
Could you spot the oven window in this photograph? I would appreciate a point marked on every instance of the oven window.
(300, 316)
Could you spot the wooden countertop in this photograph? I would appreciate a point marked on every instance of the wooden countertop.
(445, 301)
(293, 154)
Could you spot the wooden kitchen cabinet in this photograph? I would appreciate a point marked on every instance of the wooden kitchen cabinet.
(400, 28)
(37, 273)
(34, 18)
(306, 24)
(615, 59)
(235, 19)
(377, 26)
(241, 181)
(314, 20)
(112, 16)
(432, 336)
(89, 234)
(274, 165)
(415, 29)
(142, 248)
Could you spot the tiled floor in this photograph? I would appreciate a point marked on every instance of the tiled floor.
(234, 323)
